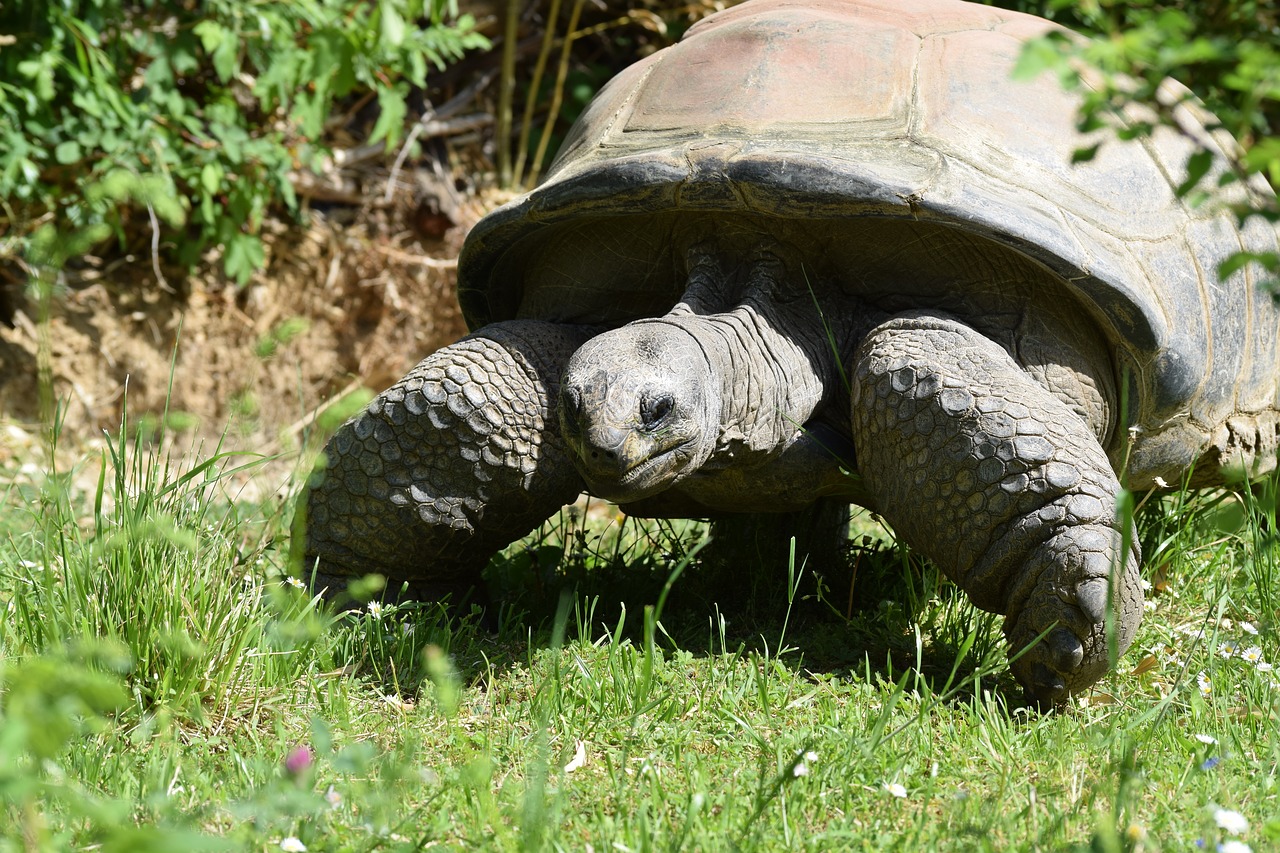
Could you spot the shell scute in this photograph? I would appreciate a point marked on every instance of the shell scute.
(843, 115)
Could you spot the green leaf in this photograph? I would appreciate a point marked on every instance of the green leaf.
(1084, 155)
(55, 698)
(212, 34)
(1240, 260)
(67, 153)
(343, 408)
(211, 178)
(309, 111)
(1198, 165)
(244, 257)
(1264, 157)
(391, 24)
(1038, 56)
(41, 74)
(226, 60)
(390, 124)
(154, 839)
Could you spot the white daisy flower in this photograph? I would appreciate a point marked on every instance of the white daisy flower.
(1231, 821)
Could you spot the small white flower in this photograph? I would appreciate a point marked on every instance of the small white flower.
(1249, 628)
(1262, 666)
(296, 583)
(1205, 683)
(375, 609)
(810, 756)
(1227, 649)
(1160, 482)
(292, 844)
(1234, 846)
(801, 769)
(1231, 821)
(396, 701)
(1206, 739)
(579, 759)
(333, 798)
(896, 789)
(1253, 655)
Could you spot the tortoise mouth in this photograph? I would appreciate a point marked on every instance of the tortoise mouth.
(652, 475)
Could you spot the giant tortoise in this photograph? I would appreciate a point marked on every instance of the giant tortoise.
(831, 250)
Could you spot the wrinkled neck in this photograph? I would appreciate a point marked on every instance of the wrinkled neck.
(773, 375)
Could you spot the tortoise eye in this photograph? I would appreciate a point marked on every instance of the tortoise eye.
(654, 410)
(571, 406)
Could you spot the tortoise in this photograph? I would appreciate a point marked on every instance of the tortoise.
(831, 251)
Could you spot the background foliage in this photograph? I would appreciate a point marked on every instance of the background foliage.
(184, 122)
(195, 113)
(1227, 53)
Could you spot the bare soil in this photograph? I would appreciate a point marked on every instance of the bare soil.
(350, 300)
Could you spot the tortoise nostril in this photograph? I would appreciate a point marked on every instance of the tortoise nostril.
(655, 410)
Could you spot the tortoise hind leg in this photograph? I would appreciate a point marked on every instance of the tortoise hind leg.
(1007, 490)
(452, 463)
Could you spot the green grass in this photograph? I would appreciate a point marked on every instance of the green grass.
(163, 687)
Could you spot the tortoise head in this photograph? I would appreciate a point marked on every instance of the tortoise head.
(639, 409)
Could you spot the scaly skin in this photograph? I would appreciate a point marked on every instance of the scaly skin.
(991, 469)
(1003, 486)
(452, 463)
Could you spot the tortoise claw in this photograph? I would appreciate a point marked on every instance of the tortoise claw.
(1065, 651)
(1091, 598)
(1046, 688)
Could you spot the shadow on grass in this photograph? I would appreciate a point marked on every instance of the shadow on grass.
(872, 611)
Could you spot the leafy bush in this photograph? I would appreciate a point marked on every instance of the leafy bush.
(1227, 52)
(195, 113)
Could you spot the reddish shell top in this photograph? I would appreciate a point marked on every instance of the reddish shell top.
(836, 111)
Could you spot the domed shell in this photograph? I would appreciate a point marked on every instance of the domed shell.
(838, 111)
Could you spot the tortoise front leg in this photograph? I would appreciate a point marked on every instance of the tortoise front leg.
(452, 463)
(1005, 488)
